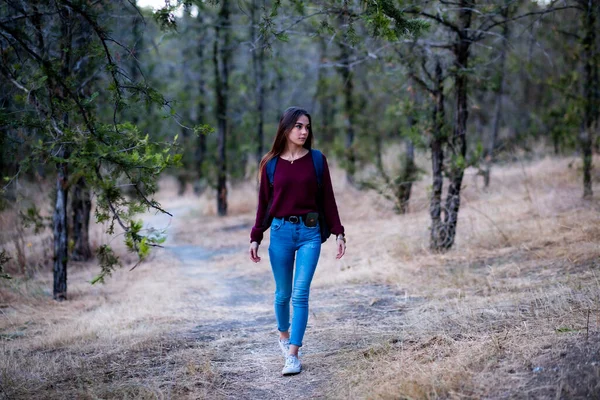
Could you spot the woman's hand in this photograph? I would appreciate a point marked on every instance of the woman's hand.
(341, 245)
(254, 252)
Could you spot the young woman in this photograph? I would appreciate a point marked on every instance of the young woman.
(288, 207)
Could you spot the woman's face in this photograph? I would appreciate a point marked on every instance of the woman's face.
(299, 132)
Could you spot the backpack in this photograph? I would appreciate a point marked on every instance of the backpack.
(317, 158)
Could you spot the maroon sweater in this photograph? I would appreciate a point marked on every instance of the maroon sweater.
(295, 193)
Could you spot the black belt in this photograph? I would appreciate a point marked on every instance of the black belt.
(294, 219)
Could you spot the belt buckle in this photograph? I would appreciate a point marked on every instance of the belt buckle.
(294, 219)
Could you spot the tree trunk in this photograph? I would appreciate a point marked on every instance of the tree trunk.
(221, 58)
(458, 140)
(596, 74)
(59, 219)
(325, 99)
(258, 64)
(488, 154)
(200, 156)
(525, 112)
(405, 181)
(59, 227)
(315, 103)
(135, 50)
(586, 135)
(81, 205)
(200, 153)
(280, 77)
(438, 235)
(349, 117)
(183, 173)
(596, 77)
(4, 170)
(260, 135)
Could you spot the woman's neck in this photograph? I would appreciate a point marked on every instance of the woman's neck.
(293, 149)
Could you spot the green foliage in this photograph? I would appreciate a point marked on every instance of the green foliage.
(118, 131)
(203, 129)
(281, 36)
(299, 6)
(108, 263)
(412, 118)
(83, 119)
(564, 114)
(267, 27)
(325, 28)
(165, 17)
(389, 22)
(351, 34)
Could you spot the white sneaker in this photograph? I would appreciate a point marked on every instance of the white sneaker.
(284, 345)
(292, 365)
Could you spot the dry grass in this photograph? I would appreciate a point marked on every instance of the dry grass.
(520, 280)
(100, 343)
(511, 295)
(105, 340)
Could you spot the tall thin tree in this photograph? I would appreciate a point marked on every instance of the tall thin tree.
(59, 219)
(490, 146)
(258, 68)
(222, 60)
(590, 90)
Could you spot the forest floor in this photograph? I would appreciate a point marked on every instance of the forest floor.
(512, 311)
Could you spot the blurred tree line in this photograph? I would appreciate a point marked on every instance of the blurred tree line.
(104, 97)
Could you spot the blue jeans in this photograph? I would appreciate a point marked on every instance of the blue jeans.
(289, 240)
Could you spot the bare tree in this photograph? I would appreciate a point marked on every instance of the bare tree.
(467, 22)
(200, 151)
(258, 69)
(589, 13)
(439, 226)
(490, 145)
(81, 205)
(59, 218)
(347, 74)
(222, 60)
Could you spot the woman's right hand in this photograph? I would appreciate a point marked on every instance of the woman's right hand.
(254, 252)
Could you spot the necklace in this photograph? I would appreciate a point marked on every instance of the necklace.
(293, 158)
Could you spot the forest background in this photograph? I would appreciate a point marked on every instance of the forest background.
(104, 102)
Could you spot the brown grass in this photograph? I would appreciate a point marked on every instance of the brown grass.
(520, 279)
(513, 294)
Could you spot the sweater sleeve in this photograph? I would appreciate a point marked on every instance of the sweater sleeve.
(330, 207)
(256, 235)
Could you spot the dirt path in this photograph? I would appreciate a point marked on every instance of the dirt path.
(236, 326)
(194, 322)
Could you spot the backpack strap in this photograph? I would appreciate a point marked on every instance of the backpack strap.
(317, 158)
(271, 177)
(271, 170)
(318, 162)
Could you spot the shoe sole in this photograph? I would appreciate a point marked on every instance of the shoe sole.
(288, 373)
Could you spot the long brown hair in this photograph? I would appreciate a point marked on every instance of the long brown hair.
(286, 124)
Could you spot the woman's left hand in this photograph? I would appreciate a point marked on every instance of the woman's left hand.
(341, 245)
